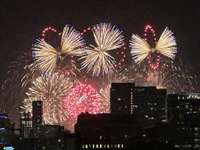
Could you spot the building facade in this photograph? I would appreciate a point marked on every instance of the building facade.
(184, 115)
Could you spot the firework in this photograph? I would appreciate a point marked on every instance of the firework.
(11, 91)
(82, 97)
(166, 45)
(120, 56)
(174, 76)
(50, 89)
(105, 98)
(139, 48)
(46, 56)
(97, 58)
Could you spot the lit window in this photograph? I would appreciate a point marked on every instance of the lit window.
(108, 146)
(86, 146)
(100, 137)
(196, 140)
(119, 99)
(144, 135)
(8, 148)
(177, 146)
(59, 140)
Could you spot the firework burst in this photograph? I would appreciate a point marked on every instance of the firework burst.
(82, 97)
(105, 98)
(166, 45)
(46, 56)
(50, 89)
(97, 58)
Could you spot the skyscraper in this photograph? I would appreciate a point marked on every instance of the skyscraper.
(25, 124)
(149, 103)
(184, 114)
(121, 97)
(36, 116)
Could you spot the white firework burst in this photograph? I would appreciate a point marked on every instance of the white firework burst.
(139, 48)
(46, 56)
(50, 89)
(97, 58)
(166, 46)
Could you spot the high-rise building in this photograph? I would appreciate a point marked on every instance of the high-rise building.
(149, 103)
(121, 98)
(184, 114)
(117, 131)
(36, 116)
(25, 124)
(50, 137)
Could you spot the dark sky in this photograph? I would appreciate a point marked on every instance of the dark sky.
(22, 21)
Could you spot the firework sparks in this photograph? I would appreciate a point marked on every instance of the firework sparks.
(174, 76)
(81, 98)
(139, 48)
(46, 56)
(105, 98)
(50, 89)
(166, 45)
(97, 58)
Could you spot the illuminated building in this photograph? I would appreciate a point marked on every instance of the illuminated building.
(50, 137)
(26, 124)
(117, 131)
(36, 116)
(121, 97)
(184, 114)
(149, 103)
(107, 131)
(7, 136)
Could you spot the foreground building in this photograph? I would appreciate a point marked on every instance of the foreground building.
(184, 115)
(114, 131)
(148, 103)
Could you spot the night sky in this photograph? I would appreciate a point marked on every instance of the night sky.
(21, 22)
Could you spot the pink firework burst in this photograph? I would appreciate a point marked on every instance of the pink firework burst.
(82, 98)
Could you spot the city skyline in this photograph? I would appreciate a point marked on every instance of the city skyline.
(106, 58)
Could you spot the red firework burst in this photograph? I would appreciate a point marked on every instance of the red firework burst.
(82, 98)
